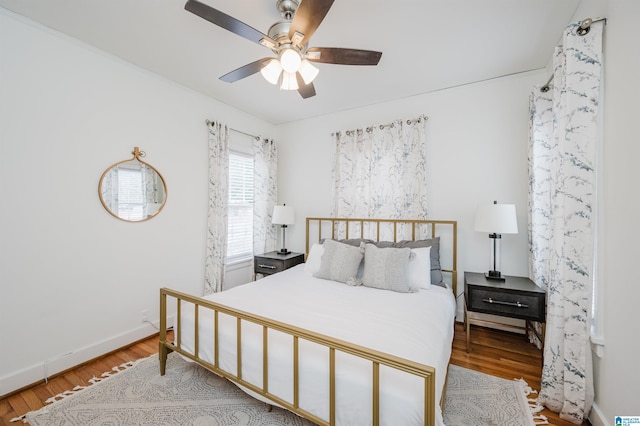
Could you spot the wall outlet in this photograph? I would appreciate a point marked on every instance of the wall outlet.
(144, 315)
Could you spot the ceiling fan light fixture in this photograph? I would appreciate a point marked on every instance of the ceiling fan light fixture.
(272, 71)
(308, 71)
(289, 81)
(290, 60)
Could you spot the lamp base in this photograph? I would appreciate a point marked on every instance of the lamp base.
(284, 251)
(494, 275)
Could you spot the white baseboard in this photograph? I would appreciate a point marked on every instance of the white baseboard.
(47, 368)
(597, 417)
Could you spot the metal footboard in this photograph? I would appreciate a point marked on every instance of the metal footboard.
(333, 345)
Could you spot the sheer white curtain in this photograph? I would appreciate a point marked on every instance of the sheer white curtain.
(562, 171)
(380, 171)
(265, 194)
(217, 216)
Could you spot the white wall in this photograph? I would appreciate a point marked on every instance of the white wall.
(73, 278)
(477, 152)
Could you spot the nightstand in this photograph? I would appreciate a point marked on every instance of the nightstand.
(515, 297)
(272, 262)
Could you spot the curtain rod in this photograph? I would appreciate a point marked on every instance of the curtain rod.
(235, 130)
(382, 126)
(585, 26)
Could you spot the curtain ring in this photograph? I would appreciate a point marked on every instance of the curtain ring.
(584, 27)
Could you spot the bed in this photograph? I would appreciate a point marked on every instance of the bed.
(314, 340)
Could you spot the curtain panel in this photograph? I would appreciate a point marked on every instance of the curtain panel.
(218, 212)
(265, 153)
(380, 171)
(562, 182)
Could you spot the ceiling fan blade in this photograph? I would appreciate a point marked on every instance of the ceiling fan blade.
(245, 71)
(307, 18)
(337, 55)
(225, 21)
(305, 90)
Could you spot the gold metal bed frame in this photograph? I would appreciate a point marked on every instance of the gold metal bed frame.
(340, 228)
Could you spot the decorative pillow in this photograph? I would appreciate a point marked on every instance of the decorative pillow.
(386, 268)
(419, 268)
(356, 242)
(434, 243)
(312, 264)
(339, 262)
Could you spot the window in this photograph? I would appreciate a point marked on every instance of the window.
(240, 225)
(130, 194)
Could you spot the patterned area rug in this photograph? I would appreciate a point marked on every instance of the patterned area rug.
(136, 394)
(478, 399)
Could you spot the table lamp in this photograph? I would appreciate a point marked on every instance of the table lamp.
(497, 219)
(283, 215)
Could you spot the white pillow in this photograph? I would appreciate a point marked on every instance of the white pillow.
(419, 268)
(312, 265)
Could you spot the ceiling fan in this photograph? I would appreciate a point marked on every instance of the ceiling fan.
(289, 40)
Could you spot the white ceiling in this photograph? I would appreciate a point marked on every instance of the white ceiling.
(427, 45)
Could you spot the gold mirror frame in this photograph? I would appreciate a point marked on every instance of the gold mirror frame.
(143, 204)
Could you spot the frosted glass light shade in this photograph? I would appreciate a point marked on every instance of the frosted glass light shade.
(308, 71)
(283, 215)
(290, 60)
(497, 219)
(289, 81)
(272, 71)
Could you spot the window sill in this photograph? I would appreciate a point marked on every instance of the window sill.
(238, 264)
(597, 346)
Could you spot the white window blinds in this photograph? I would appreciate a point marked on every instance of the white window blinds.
(240, 226)
(130, 194)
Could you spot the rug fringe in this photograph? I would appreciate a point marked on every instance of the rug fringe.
(62, 395)
(538, 419)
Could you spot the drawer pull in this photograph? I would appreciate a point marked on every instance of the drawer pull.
(500, 302)
(267, 266)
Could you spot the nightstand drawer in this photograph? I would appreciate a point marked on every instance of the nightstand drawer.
(268, 266)
(274, 262)
(523, 306)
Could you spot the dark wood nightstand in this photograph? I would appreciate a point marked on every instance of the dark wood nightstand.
(272, 262)
(515, 297)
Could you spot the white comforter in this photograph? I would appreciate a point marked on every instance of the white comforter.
(417, 326)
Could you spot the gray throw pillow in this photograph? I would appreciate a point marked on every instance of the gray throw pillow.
(434, 243)
(339, 262)
(386, 268)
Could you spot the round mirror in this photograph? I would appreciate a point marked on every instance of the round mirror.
(132, 190)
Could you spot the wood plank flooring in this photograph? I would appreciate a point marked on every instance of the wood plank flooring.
(498, 353)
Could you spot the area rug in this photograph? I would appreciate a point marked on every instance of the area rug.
(136, 394)
(478, 399)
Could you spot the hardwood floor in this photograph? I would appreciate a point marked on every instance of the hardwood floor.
(498, 353)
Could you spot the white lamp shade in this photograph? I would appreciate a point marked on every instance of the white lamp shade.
(308, 71)
(272, 71)
(290, 60)
(289, 81)
(283, 215)
(497, 218)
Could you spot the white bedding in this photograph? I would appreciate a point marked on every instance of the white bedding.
(417, 326)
